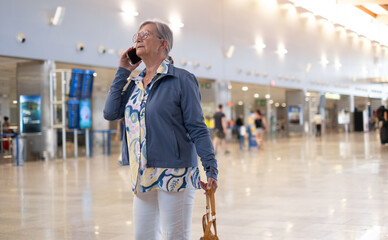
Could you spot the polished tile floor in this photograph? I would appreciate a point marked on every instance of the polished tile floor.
(334, 187)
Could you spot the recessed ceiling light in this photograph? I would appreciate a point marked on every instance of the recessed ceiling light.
(58, 16)
(129, 10)
(308, 68)
(324, 61)
(281, 51)
(229, 53)
(337, 64)
(176, 23)
(259, 45)
(244, 88)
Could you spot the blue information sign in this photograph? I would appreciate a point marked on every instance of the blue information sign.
(76, 83)
(87, 84)
(73, 114)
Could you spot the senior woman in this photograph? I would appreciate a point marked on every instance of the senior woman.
(164, 133)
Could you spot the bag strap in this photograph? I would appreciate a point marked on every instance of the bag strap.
(211, 204)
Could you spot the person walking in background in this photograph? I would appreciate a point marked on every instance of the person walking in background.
(318, 124)
(241, 131)
(380, 116)
(220, 129)
(6, 130)
(384, 127)
(6, 125)
(261, 126)
(165, 131)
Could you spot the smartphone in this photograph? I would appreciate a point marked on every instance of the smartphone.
(131, 55)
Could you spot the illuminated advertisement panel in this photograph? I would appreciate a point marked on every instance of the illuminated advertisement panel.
(30, 114)
(85, 114)
(295, 115)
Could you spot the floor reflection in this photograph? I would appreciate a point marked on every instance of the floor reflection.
(333, 187)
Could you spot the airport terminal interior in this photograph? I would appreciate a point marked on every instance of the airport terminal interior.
(302, 63)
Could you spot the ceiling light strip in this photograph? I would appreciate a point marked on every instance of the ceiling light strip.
(349, 16)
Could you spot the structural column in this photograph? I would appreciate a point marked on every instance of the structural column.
(223, 96)
(296, 111)
(33, 79)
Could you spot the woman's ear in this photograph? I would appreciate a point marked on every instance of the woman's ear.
(164, 44)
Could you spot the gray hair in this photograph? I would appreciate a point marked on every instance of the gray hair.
(163, 31)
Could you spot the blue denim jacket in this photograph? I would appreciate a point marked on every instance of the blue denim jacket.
(176, 132)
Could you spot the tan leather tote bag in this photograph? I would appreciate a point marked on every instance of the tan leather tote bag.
(209, 219)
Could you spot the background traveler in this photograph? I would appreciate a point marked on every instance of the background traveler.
(380, 115)
(6, 129)
(384, 127)
(318, 124)
(261, 125)
(220, 129)
(241, 131)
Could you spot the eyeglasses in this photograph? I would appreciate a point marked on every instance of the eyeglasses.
(142, 35)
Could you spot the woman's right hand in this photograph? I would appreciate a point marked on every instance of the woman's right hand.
(124, 62)
(211, 183)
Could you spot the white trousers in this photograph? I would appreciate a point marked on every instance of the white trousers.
(159, 213)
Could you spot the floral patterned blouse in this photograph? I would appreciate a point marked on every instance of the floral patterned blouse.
(143, 178)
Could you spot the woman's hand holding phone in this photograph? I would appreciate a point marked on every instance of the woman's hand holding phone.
(125, 62)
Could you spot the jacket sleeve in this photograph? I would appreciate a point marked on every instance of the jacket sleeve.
(195, 124)
(115, 101)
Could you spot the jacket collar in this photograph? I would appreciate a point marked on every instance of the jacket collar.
(165, 69)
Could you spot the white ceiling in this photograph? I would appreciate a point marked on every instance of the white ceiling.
(209, 28)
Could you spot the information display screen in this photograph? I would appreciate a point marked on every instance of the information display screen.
(295, 115)
(76, 83)
(30, 114)
(87, 84)
(85, 114)
(74, 119)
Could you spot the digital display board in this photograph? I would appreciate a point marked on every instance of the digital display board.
(30, 114)
(74, 119)
(85, 114)
(87, 84)
(295, 115)
(76, 83)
